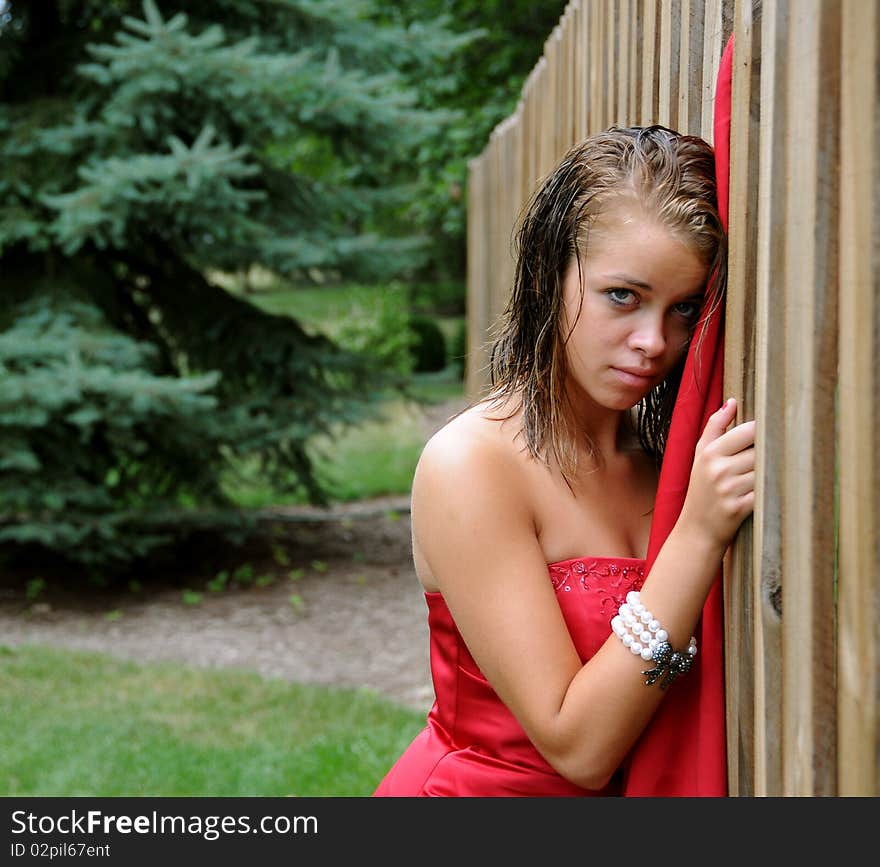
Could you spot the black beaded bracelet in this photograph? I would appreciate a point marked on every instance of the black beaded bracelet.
(668, 664)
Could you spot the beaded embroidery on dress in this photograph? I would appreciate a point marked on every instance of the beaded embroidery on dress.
(610, 579)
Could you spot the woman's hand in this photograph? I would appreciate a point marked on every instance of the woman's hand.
(721, 491)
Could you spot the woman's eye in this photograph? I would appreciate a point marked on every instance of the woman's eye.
(621, 297)
(687, 309)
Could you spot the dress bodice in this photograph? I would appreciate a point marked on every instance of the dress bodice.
(473, 745)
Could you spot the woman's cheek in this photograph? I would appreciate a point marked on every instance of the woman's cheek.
(682, 340)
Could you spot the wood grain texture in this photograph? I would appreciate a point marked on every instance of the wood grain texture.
(713, 45)
(770, 451)
(670, 46)
(739, 367)
(859, 398)
(690, 67)
(650, 102)
(810, 304)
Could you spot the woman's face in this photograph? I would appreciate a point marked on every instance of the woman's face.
(642, 293)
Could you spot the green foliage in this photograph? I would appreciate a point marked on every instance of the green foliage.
(373, 459)
(377, 459)
(147, 143)
(439, 297)
(144, 145)
(381, 331)
(97, 445)
(458, 347)
(379, 456)
(223, 133)
(34, 588)
(429, 347)
(83, 724)
(482, 83)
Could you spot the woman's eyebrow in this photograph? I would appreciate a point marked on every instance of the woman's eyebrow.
(625, 278)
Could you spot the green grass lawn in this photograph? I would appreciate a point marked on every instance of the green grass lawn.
(83, 724)
(322, 308)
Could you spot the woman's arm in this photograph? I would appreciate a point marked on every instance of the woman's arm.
(475, 529)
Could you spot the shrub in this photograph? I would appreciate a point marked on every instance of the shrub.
(378, 329)
(428, 349)
(458, 348)
(443, 299)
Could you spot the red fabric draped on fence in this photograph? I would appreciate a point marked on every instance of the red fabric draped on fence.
(683, 751)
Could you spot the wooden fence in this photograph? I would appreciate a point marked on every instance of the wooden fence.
(802, 605)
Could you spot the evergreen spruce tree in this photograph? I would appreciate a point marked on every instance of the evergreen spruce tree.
(145, 146)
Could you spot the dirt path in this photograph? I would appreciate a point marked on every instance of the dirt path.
(345, 608)
(357, 619)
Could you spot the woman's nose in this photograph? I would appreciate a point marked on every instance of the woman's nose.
(648, 338)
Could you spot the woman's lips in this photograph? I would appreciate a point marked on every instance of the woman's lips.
(635, 379)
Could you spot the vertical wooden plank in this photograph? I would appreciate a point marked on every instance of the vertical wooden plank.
(634, 98)
(564, 107)
(650, 105)
(690, 71)
(508, 210)
(503, 203)
(551, 115)
(501, 224)
(727, 17)
(569, 32)
(493, 218)
(582, 52)
(537, 115)
(545, 128)
(712, 48)
(670, 45)
(624, 22)
(551, 104)
(570, 35)
(770, 451)
(536, 129)
(859, 396)
(611, 83)
(577, 59)
(570, 103)
(560, 101)
(809, 670)
(739, 366)
(514, 184)
(477, 288)
(527, 148)
(597, 66)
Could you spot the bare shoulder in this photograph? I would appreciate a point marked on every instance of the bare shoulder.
(473, 450)
(468, 489)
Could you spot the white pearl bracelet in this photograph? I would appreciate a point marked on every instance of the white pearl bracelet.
(640, 631)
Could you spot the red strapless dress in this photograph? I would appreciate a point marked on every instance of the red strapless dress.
(472, 745)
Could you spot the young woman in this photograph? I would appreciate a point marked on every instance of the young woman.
(532, 509)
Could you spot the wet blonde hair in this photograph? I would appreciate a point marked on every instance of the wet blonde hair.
(672, 177)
